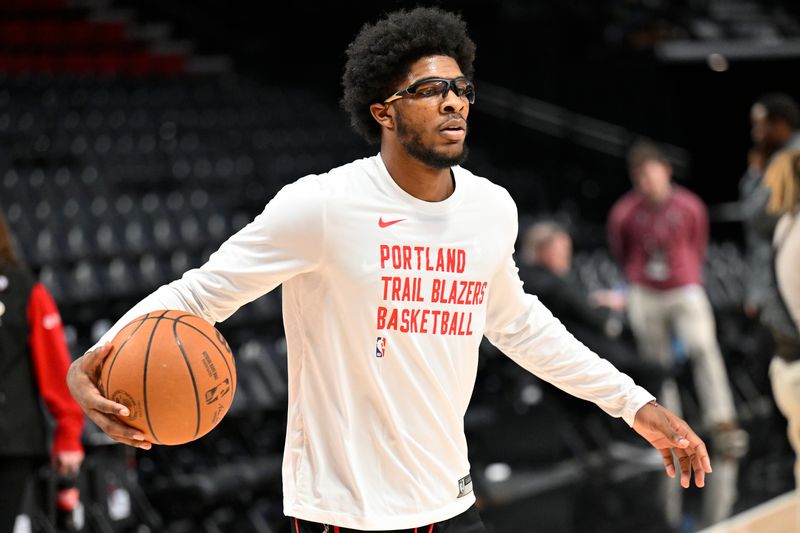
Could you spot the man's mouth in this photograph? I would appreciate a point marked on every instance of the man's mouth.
(454, 129)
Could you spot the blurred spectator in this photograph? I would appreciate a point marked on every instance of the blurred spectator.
(783, 180)
(33, 366)
(659, 232)
(774, 118)
(545, 267)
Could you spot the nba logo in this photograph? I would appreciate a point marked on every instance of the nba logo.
(380, 347)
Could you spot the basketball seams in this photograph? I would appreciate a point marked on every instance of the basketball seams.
(116, 354)
(144, 377)
(191, 372)
(214, 344)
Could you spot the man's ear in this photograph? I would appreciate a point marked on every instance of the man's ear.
(383, 114)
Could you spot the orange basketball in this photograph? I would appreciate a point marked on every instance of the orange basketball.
(174, 372)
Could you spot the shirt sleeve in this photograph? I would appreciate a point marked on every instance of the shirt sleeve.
(285, 240)
(50, 357)
(527, 332)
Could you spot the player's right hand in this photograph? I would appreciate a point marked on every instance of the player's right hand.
(82, 379)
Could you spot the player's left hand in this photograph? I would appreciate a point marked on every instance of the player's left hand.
(67, 463)
(670, 434)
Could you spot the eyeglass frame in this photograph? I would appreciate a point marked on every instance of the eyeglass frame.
(451, 85)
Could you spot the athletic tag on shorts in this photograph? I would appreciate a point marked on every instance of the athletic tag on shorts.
(464, 485)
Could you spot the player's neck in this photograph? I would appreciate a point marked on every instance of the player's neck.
(416, 178)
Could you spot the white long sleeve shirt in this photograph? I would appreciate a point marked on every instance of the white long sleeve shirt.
(385, 300)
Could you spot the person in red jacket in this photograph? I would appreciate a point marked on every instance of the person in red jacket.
(33, 366)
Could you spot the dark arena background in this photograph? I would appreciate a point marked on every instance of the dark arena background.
(136, 136)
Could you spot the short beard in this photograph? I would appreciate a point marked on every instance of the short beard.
(412, 143)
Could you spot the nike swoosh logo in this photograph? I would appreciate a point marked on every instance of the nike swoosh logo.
(388, 223)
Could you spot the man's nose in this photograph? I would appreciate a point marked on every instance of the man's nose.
(452, 103)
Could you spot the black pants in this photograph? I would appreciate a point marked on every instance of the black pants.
(467, 522)
(15, 472)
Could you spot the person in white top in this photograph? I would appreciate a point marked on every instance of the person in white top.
(393, 268)
(783, 180)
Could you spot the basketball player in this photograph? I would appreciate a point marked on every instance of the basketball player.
(393, 268)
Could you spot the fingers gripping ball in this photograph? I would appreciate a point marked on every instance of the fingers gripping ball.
(174, 372)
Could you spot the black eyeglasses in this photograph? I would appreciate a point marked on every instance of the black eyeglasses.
(430, 87)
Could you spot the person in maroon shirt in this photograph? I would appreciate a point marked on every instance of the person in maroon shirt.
(658, 232)
(33, 368)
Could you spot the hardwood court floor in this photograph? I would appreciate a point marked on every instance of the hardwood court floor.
(779, 515)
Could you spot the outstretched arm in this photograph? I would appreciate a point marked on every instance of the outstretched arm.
(525, 330)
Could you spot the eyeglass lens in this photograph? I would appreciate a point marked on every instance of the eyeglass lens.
(461, 87)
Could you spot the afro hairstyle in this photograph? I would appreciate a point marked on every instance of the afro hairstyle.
(381, 54)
